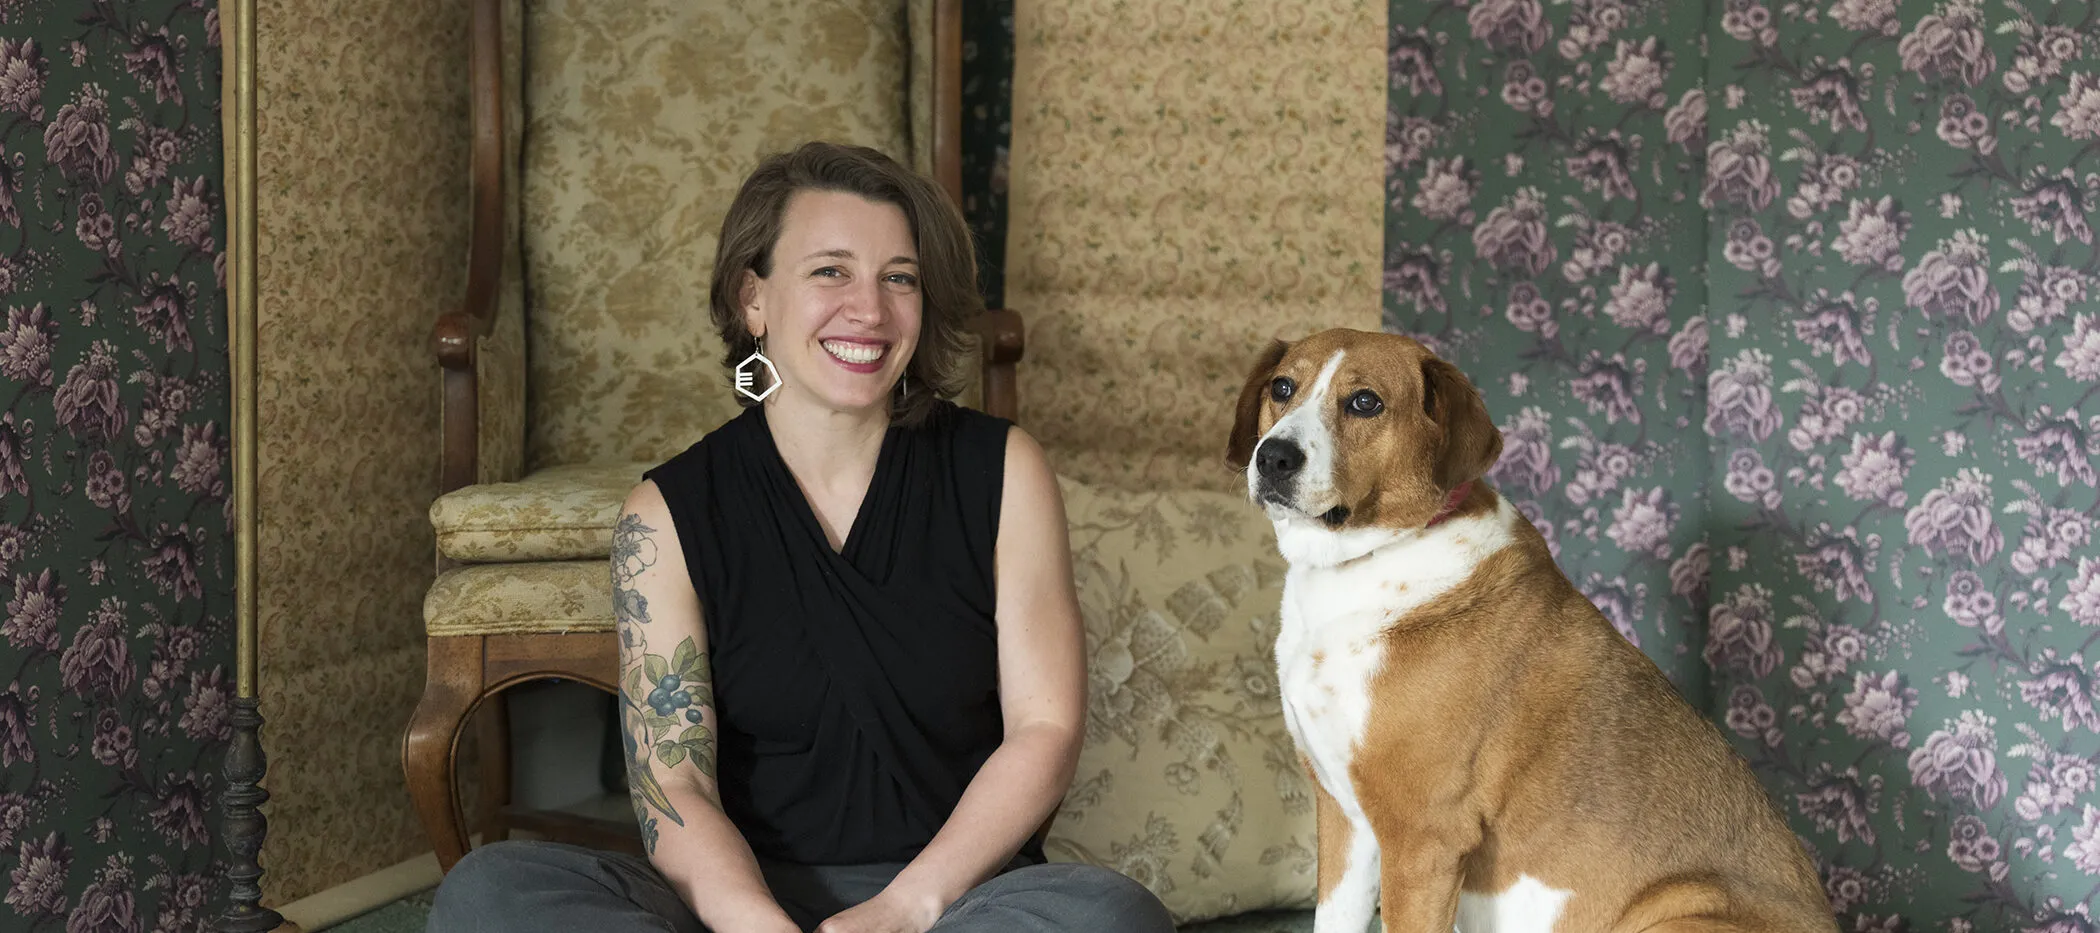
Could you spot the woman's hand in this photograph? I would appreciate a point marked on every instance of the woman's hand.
(892, 911)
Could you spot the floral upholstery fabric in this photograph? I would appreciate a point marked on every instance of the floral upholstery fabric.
(1187, 181)
(542, 597)
(560, 513)
(1188, 781)
(1261, 921)
(347, 285)
(641, 119)
(920, 105)
(500, 367)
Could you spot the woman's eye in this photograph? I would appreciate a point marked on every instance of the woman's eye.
(1365, 402)
(905, 279)
(829, 271)
(1281, 388)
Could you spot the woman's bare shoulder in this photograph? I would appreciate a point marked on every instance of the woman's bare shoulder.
(1031, 486)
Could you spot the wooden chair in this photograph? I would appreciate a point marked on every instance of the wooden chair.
(591, 238)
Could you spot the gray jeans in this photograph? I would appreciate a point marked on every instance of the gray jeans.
(527, 885)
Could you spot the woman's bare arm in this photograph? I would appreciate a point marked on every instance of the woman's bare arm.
(668, 719)
(1042, 686)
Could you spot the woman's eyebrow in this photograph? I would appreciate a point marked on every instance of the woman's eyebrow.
(848, 254)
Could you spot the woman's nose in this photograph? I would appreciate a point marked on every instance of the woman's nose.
(864, 302)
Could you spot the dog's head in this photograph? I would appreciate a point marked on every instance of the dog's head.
(1358, 433)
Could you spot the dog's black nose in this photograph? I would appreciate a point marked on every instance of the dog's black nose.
(1278, 459)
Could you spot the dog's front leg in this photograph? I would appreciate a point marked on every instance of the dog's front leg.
(1348, 878)
(1419, 882)
(1347, 868)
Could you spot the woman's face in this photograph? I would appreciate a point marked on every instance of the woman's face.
(840, 313)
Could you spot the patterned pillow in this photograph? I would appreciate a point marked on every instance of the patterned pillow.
(1188, 781)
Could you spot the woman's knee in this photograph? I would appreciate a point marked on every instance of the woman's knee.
(518, 886)
(1132, 906)
(1073, 896)
(482, 888)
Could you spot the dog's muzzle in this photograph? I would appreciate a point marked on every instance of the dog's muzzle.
(1277, 464)
(1277, 461)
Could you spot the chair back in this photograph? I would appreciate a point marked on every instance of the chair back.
(642, 118)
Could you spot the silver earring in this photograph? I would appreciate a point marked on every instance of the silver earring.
(747, 373)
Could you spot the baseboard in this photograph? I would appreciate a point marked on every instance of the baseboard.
(323, 909)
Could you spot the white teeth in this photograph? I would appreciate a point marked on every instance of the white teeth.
(854, 352)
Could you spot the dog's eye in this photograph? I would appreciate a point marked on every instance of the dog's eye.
(1366, 403)
(1281, 388)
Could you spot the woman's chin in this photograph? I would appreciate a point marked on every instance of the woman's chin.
(858, 394)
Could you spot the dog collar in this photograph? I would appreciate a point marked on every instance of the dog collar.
(1451, 503)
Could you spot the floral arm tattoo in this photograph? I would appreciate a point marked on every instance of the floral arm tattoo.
(662, 700)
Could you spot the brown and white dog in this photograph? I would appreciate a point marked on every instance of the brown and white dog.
(1488, 751)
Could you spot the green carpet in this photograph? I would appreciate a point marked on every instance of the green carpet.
(408, 915)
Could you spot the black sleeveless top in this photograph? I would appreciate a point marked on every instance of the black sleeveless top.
(856, 690)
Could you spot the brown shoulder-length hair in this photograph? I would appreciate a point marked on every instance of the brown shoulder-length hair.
(947, 260)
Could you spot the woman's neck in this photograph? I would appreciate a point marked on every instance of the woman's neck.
(824, 447)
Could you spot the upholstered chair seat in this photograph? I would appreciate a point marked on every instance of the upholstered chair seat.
(559, 513)
(542, 597)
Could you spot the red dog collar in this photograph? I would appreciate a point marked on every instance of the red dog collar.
(1451, 503)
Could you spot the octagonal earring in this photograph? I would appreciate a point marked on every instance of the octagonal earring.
(747, 373)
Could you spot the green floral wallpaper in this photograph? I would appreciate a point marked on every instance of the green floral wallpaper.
(1784, 309)
(115, 535)
(1543, 232)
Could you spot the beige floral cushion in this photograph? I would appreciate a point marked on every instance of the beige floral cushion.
(540, 598)
(1187, 181)
(560, 513)
(1188, 781)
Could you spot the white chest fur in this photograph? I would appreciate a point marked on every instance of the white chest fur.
(1343, 593)
(1330, 645)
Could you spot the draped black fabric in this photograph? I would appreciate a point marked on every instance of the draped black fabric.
(857, 690)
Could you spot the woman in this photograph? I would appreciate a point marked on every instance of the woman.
(852, 665)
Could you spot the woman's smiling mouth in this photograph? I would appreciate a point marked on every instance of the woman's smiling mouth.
(856, 355)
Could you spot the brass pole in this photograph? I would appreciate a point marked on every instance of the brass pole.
(241, 281)
(245, 826)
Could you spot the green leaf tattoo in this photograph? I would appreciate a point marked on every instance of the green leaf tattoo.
(662, 701)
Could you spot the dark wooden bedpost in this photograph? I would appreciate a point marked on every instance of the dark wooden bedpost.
(245, 824)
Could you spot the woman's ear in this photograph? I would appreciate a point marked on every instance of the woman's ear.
(747, 298)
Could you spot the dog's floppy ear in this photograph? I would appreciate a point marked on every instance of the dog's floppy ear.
(1240, 448)
(1471, 442)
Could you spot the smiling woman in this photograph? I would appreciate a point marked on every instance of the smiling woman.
(852, 674)
(798, 210)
